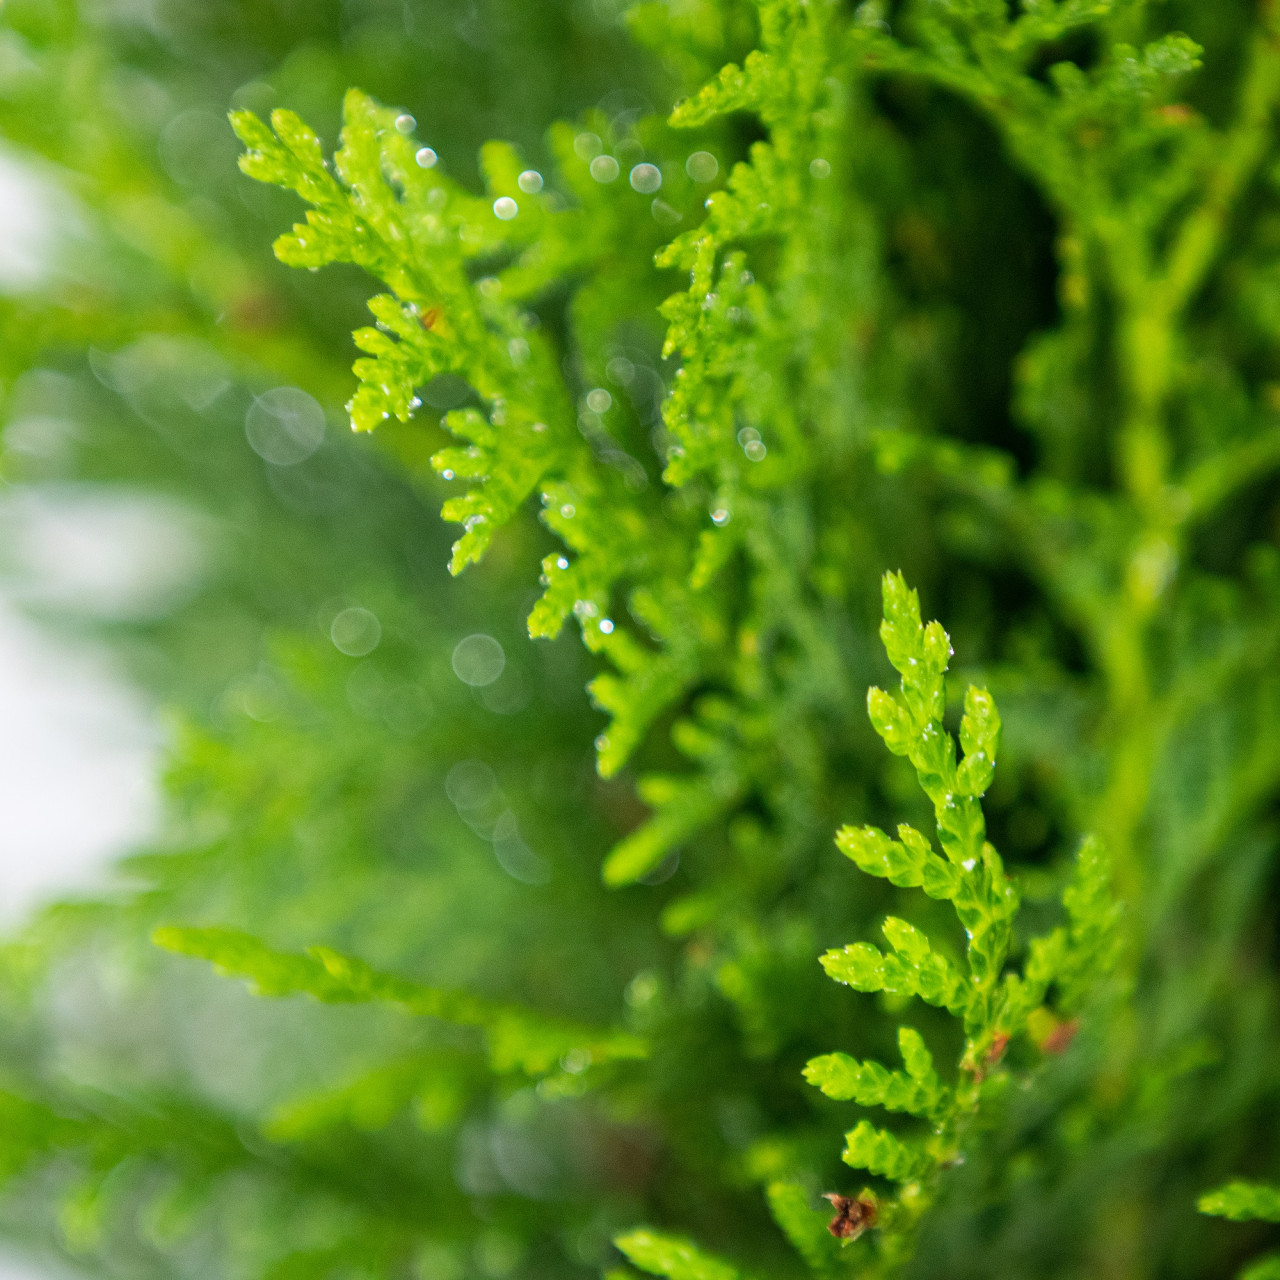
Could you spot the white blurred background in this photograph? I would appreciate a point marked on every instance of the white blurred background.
(78, 745)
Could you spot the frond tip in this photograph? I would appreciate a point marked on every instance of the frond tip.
(994, 1006)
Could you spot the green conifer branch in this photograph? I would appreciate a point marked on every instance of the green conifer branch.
(995, 1006)
(518, 1039)
(719, 599)
(1156, 224)
(420, 233)
(739, 436)
(427, 239)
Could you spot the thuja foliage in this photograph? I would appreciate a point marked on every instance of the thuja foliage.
(993, 1005)
(794, 296)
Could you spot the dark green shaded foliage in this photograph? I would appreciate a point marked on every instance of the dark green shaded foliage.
(979, 290)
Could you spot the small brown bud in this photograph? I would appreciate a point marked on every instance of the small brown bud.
(853, 1217)
(995, 1051)
(1061, 1036)
(999, 1043)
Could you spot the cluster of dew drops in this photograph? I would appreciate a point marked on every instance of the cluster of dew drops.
(644, 177)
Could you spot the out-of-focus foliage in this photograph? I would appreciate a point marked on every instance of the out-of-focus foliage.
(1247, 1202)
(757, 301)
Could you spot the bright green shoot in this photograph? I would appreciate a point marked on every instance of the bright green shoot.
(994, 1005)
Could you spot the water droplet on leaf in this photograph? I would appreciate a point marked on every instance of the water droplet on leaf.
(646, 178)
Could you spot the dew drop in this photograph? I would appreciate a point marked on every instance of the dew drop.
(606, 625)
(621, 370)
(447, 474)
(478, 660)
(599, 400)
(575, 1061)
(568, 511)
(587, 146)
(426, 158)
(720, 516)
(505, 207)
(755, 450)
(604, 168)
(820, 168)
(561, 562)
(646, 178)
(530, 182)
(405, 123)
(355, 632)
(663, 213)
(285, 426)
